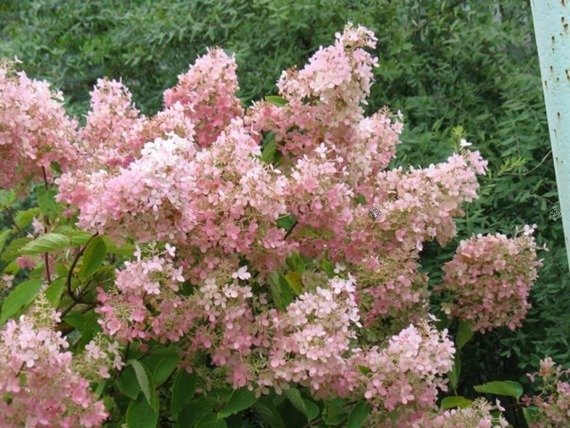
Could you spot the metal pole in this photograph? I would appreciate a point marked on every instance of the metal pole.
(552, 31)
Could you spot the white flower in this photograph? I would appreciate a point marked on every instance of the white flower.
(241, 273)
(464, 143)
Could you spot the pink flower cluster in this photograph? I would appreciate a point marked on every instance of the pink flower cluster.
(477, 415)
(408, 372)
(37, 384)
(145, 303)
(35, 131)
(208, 93)
(490, 278)
(553, 402)
(110, 134)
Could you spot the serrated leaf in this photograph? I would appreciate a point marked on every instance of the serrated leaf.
(140, 414)
(334, 413)
(46, 243)
(464, 334)
(20, 296)
(182, 391)
(146, 383)
(508, 388)
(276, 100)
(46, 200)
(455, 401)
(164, 368)
(358, 415)
(128, 384)
(4, 235)
(240, 399)
(306, 407)
(92, 257)
(54, 291)
(24, 218)
(269, 414)
(193, 411)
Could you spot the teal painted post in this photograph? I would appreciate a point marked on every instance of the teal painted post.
(552, 31)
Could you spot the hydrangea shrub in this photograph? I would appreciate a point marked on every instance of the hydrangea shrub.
(217, 264)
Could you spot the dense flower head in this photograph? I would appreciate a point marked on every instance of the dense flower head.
(146, 292)
(490, 279)
(477, 415)
(113, 121)
(553, 400)
(36, 374)
(313, 337)
(208, 93)
(35, 131)
(408, 372)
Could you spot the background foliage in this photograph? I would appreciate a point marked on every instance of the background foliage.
(454, 68)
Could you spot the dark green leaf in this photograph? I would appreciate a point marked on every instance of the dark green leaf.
(164, 368)
(146, 383)
(240, 399)
(92, 257)
(140, 414)
(306, 407)
(182, 391)
(128, 383)
(269, 413)
(358, 415)
(464, 334)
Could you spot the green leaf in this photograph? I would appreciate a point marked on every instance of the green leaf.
(92, 257)
(306, 407)
(269, 413)
(464, 334)
(294, 282)
(269, 150)
(24, 218)
(508, 388)
(182, 391)
(146, 383)
(210, 421)
(54, 291)
(358, 415)
(240, 399)
(46, 243)
(164, 368)
(334, 413)
(23, 294)
(276, 100)
(193, 411)
(286, 222)
(46, 200)
(140, 414)
(280, 290)
(128, 384)
(4, 235)
(455, 373)
(455, 401)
